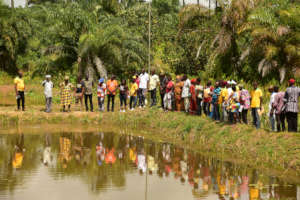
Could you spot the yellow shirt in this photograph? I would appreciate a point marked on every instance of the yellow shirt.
(133, 89)
(223, 95)
(20, 84)
(255, 98)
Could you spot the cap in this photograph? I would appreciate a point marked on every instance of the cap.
(48, 76)
(292, 81)
(101, 80)
(66, 78)
(233, 82)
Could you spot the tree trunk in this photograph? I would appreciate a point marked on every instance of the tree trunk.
(100, 67)
(12, 3)
(89, 70)
(198, 2)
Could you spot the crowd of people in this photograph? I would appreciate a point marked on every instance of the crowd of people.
(224, 101)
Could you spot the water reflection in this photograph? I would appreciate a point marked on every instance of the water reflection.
(131, 167)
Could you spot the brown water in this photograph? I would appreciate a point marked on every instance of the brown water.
(112, 166)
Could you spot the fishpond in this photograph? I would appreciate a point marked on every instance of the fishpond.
(111, 166)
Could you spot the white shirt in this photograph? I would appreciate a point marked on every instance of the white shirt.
(154, 80)
(186, 89)
(142, 162)
(272, 99)
(144, 78)
(48, 85)
(230, 91)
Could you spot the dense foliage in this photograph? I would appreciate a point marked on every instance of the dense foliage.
(243, 39)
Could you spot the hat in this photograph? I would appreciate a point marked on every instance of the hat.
(194, 81)
(229, 82)
(233, 82)
(66, 78)
(48, 76)
(292, 81)
(101, 80)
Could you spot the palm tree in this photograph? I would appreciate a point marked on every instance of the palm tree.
(274, 36)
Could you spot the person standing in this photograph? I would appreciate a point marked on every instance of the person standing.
(133, 94)
(112, 86)
(256, 103)
(101, 94)
(48, 86)
(123, 95)
(20, 90)
(193, 98)
(79, 92)
(177, 93)
(169, 94)
(222, 101)
(88, 93)
(271, 109)
(144, 79)
(186, 93)
(215, 102)
(245, 103)
(153, 83)
(207, 98)
(291, 97)
(65, 94)
(278, 109)
(199, 96)
(162, 88)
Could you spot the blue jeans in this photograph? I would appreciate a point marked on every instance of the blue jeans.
(216, 112)
(272, 121)
(255, 116)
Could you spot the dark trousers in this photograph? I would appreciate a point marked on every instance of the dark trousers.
(216, 112)
(90, 97)
(244, 116)
(48, 104)
(153, 97)
(101, 104)
(256, 119)
(292, 119)
(141, 97)
(162, 95)
(280, 121)
(206, 108)
(123, 100)
(21, 99)
(132, 103)
(199, 107)
(110, 97)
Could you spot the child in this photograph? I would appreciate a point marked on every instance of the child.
(123, 96)
(169, 94)
(101, 94)
(133, 94)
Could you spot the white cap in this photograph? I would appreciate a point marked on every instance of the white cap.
(233, 82)
(48, 76)
(229, 82)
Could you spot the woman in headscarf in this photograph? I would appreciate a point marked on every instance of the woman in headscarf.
(177, 93)
(65, 94)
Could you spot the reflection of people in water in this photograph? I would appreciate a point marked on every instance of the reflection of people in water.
(65, 150)
(47, 157)
(110, 157)
(18, 152)
(152, 165)
(81, 152)
(141, 156)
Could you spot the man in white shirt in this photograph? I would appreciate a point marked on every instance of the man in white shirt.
(186, 93)
(48, 86)
(271, 110)
(144, 79)
(154, 82)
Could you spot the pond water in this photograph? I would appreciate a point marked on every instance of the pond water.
(112, 166)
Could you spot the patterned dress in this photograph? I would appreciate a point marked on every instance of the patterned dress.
(65, 94)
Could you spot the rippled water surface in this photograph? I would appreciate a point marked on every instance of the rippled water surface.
(112, 166)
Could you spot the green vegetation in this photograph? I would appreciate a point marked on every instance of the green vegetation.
(243, 40)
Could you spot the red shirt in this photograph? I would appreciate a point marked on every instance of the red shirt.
(170, 85)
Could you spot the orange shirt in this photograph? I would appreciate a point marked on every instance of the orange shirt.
(112, 86)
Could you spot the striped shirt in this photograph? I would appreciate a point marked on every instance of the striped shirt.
(291, 98)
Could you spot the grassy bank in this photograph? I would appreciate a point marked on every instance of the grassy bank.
(276, 151)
